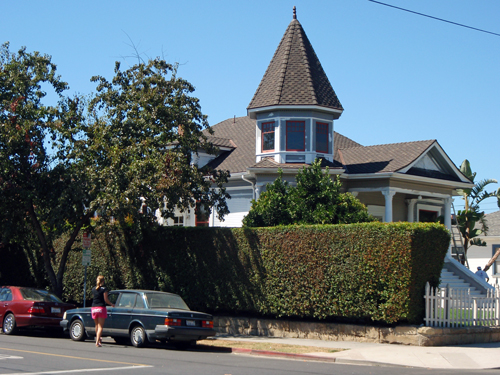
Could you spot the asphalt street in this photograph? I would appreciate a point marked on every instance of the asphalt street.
(31, 354)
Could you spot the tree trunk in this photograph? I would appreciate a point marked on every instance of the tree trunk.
(65, 253)
(43, 243)
(56, 281)
(492, 260)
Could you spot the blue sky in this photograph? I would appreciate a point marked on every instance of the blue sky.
(400, 77)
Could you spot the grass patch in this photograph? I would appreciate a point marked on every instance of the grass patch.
(268, 346)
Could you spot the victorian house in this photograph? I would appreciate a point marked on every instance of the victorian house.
(291, 121)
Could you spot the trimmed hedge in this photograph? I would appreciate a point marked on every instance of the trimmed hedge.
(359, 272)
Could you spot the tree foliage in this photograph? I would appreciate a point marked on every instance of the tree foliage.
(316, 199)
(59, 165)
(471, 220)
(36, 193)
(143, 131)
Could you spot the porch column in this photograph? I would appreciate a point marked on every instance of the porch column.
(411, 209)
(447, 221)
(447, 212)
(388, 194)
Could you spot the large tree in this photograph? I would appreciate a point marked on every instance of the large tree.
(138, 144)
(134, 147)
(316, 199)
(36, 196)
(470, 220)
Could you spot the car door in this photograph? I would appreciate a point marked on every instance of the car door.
(109, 324)
(5, 301)
(121, 314)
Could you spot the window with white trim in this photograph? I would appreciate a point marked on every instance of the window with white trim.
(268, 136)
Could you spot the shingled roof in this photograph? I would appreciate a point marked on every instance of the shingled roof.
(381, 158)
(295, 75)
(493, 222)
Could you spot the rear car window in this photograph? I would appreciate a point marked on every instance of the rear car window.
(164, 300)
(5, 294)
(38, 295)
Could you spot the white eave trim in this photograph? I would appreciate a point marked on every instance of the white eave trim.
(336, 112)
(406, 177)
(255, 171)
(443, 155)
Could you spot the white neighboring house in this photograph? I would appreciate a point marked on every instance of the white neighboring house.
(478, 256)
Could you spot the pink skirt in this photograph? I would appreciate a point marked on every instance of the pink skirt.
(99, 312)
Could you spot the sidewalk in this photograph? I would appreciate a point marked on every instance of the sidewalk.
(473, 356)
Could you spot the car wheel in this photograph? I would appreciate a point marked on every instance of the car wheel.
(9, 324)
(138, 337)
(77, 330)
(121, 340)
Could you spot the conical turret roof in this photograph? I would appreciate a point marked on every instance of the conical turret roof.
(295, 75)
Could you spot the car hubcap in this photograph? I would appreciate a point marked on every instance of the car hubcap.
(9, 322)
(138, 336)
(77, 330)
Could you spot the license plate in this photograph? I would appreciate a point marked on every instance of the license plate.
(55, 310)
(191, 323)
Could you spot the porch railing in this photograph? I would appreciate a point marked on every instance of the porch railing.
(448, 307)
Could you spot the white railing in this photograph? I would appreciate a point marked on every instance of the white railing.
(448, 307)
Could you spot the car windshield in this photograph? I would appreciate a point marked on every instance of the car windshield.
(164, 300)
(39, 295)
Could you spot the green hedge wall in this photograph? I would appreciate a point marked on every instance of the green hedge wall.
(359, 272)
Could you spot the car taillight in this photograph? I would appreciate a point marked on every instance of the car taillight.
(207, 324)
(36, 310)
(172, 322)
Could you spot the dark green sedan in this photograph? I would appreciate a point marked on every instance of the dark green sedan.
(142, 316)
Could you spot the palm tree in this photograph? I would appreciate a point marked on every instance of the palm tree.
(471, 219)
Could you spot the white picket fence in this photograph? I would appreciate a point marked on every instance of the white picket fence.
(448, 307)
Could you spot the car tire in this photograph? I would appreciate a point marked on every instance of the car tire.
(77, 330)
(9, 326)
(138, 337)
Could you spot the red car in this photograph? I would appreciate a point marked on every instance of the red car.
(29, 307)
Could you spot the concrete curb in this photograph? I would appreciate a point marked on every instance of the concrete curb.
(311, 357)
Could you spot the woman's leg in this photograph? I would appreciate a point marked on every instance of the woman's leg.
(99, 324)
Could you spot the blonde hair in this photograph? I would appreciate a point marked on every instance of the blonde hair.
(99, 282)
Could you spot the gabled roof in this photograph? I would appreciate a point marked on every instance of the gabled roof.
(493, 222)
(238, 135)
(404, 158)
(381, 158)
(240, 132)
(295, 75)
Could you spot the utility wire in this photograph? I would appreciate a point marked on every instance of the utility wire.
(435, 18)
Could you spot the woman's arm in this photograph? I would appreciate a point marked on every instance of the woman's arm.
(107, 299)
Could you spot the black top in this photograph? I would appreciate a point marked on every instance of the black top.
(98, 296)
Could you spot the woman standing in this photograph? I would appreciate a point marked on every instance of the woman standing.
(98, 310)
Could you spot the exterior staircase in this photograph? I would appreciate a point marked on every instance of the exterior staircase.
(457, 276)
(449, 278)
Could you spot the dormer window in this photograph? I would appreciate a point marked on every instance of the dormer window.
(295, 135)
(268, 136)
(322, 137)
